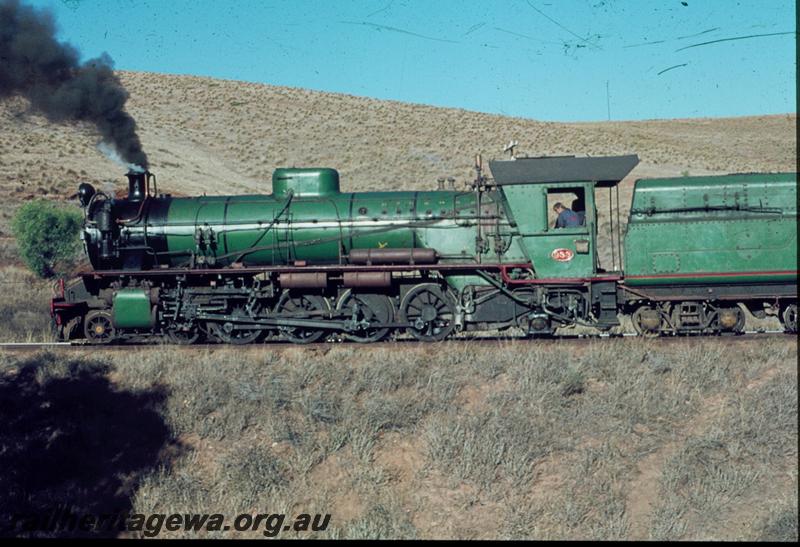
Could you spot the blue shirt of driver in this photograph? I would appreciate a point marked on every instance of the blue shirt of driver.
(568, 219)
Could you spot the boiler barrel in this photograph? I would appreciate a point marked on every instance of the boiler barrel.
(303, 221)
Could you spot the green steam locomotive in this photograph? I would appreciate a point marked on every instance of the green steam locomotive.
(308, 261)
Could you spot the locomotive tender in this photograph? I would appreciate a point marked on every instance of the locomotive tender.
(309, 261)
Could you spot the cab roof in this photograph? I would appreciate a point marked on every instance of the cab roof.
(603, 171)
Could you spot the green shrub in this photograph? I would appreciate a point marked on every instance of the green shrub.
(47, 236)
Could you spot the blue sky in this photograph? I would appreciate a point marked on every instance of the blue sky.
(557, 60)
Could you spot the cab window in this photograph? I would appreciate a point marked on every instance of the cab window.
(573, 199)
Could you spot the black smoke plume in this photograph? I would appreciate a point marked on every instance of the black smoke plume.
(34, 64)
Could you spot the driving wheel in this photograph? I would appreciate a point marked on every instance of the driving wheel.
(302, 306)
(232, 332)
(367, 310)
(430, 311)
(182, 335)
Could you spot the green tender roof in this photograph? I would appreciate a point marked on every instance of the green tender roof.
(715, 180)
(749, 191)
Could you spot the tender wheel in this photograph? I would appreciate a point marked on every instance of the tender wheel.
(302, 306)
(646, 321)
(183, 337)
(98, 327)
(430, 311)
(789, 317)
(731, 319)
(230, 334)
(369, 308)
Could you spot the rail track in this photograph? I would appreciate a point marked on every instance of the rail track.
(747, 336)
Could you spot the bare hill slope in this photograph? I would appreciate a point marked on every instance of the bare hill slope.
(226, 137)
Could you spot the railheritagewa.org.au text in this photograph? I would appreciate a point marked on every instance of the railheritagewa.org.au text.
(63, 521)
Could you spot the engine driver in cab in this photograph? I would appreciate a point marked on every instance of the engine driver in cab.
(567, 218)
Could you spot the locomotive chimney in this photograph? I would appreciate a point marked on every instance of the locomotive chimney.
(137, 185)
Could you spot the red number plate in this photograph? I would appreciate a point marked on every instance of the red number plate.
(561, 255)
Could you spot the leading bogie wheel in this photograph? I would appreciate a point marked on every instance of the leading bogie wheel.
(98, 327)
(431, 312)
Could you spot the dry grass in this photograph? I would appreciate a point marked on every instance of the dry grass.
(24, 306)
(610, 439)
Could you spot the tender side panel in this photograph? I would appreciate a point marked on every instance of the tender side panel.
(713, 230)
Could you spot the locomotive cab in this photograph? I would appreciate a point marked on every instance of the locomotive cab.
(532, 186)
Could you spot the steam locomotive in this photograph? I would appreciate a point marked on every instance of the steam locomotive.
(308, 261)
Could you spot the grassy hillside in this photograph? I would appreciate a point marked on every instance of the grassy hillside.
(226, 136)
